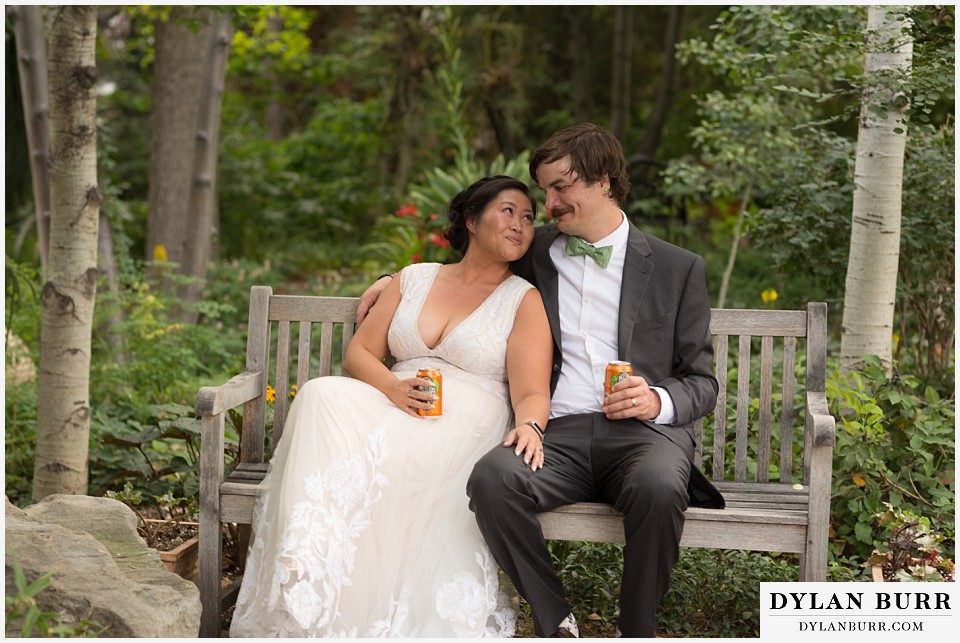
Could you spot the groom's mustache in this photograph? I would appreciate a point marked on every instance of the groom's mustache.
(556, 212)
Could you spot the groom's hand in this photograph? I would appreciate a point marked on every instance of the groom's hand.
(370, 296)
(632, 398)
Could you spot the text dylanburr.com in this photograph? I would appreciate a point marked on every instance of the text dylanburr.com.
(858, 611)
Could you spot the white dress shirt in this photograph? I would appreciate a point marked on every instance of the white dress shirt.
(589, 298)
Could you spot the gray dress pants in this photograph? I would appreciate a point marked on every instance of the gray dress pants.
(588, 458)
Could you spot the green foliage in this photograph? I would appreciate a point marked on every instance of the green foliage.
(306, 199)
(20, 398)
(414, 233)
(169, 444)
(926, 290)
(728, 605)
(896, 446)
(23, 612)
(271, 41)
(19, 440)
(146, 353)
(785, 125)
(812, 206)
(590, 573)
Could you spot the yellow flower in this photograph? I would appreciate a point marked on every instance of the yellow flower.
(159, 252)
(293, 391)
(768, 295)
(271, 394)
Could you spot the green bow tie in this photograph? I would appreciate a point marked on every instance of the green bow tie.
(577, 246)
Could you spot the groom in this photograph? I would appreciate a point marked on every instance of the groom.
(626, 296)
(611, 293)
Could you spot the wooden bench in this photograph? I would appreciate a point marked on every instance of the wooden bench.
(751, 434)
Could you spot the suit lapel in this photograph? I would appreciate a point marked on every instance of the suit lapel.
(637, 269)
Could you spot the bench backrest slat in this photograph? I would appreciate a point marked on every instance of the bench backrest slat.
(766, 408)
(303, 352)
(763, 434)
(786, 410)
(721, 353)
(743, 408)
(282, 377)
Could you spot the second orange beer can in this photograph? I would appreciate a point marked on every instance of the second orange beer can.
(433, 384)
(616, 371)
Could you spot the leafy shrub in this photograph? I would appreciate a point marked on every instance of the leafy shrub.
(19, 441)
(144, 354)
(590, 573)
(726, 606)
(895, 445)
(716, 593)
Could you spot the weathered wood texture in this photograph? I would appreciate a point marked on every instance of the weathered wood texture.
(777, 492)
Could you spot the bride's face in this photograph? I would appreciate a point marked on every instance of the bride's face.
(505, 227)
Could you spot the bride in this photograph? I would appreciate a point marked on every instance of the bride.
(363, 528)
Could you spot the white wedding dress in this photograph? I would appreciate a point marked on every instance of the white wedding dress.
(363, 528)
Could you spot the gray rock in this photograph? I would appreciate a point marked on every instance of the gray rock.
(103, 571)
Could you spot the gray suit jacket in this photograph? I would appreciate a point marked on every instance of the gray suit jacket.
(664, 330)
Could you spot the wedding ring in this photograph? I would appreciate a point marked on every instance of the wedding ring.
(633, 401)
(539, 449)
(409, 392)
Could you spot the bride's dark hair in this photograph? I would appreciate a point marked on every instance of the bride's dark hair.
(470, 203)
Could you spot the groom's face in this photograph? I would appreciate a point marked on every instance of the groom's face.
(570, 199)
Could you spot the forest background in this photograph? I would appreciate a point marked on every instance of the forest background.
(312, 148)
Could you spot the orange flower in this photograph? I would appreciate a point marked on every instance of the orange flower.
(271, 394)
(859, 480)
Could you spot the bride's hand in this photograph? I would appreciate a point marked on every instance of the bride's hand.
(406, 395)
(528, 445)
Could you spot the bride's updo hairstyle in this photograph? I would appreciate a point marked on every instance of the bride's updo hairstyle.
(470, 203)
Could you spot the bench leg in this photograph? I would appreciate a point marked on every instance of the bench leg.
(813, 564)
(211, 537)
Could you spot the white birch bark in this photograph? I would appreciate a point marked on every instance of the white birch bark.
(63, 406)
(871, 282)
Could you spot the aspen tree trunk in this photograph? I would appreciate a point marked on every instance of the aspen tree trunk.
(622, 57)
(177, 82)
(661, 105)
(576, 18)
(32, 64)
(871, 283)
(203, 191)
(63, 406)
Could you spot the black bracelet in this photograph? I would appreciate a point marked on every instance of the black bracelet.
(386, 274)
(536, 427)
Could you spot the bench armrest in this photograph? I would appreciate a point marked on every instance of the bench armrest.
(213, 400)
(819, 421)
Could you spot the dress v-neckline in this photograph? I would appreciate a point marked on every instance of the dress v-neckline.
(444, 338)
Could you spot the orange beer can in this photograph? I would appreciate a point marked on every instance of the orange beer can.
(616, 371)
(433, 383)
